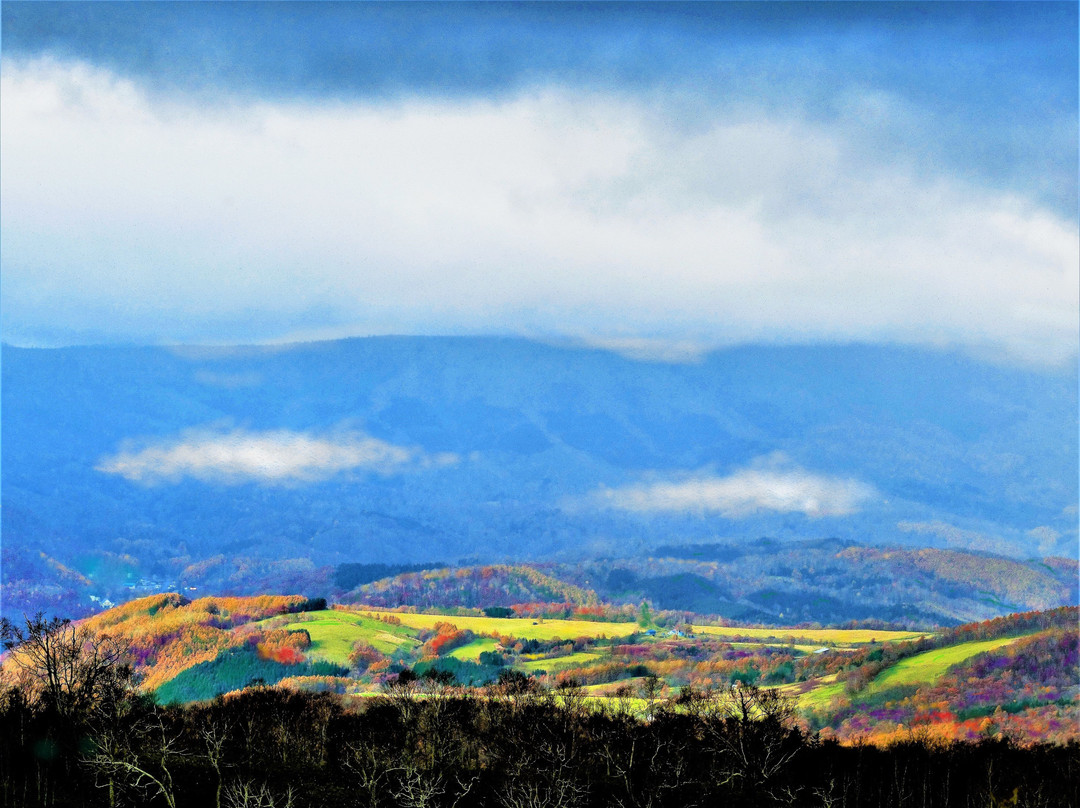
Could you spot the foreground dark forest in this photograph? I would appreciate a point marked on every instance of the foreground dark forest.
(77, 732)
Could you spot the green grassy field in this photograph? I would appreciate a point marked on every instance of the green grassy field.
(928, 667)
(921, 669)
(819, 696)
(472, 651)
(607, 689)
(801, 648)
(818, 636)
(333, 633)
(559, 663)
(522, 629)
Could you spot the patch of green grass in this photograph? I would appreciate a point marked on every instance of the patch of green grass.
(802, 649)
(232, 670)
(607, 689)
(924, 668)
(928, 667)
(471, 651)
(522, 628)
(334, 632)
(820, 696)
(821, 636)
(525, 629)
(559, 663)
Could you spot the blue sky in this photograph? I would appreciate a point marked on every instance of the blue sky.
(656, 178)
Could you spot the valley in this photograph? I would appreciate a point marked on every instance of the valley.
(924, 488)
(539, 405)
(1014, 675)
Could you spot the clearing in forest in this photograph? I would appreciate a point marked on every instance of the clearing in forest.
(471, 651)
(929, 666)
(521, 628)
(821, 636)
(334, 632)
(921, 669)
(551, 664)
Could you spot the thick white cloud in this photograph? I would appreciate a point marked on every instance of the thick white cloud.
(557, 213)
(744, 493)
(272, 457)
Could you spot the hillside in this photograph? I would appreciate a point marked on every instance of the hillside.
(1023, 682)
(322, 707)
(1016, 674)
(764, 581)
(832, 581)
(471, 587)
(121, 472)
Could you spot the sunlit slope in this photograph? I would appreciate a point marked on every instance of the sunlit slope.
(921, 669)
(472, 650)
(560, 663)
(823, 636)
(928, 667)
(522, 628)
(168, 634)
(845, 681)
(333, 634)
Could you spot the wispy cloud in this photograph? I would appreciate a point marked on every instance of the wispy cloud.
(271, 457)
(647, 349)
(744, 493)
(967, 539)
(1051, 541)
(230, 381)
(556, 211)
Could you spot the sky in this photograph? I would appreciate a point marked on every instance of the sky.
(657, 179)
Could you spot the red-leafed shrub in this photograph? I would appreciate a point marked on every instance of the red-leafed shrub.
(364, 657)
(447, 639)
(286, 647)
(287, 656)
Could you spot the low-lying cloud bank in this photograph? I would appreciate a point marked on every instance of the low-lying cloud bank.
(744, 493)
(554, 212)
(271, 457)
(1045, 539)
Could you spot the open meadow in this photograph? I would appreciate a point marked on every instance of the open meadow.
(189, 651)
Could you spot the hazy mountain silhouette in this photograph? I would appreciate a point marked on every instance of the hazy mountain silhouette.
(491, 448)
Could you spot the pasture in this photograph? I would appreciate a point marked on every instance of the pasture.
(928, 667)
(334, 632)
(520, 628)
(816, 636)
(921, 669)
(471, 651)
(816, 694)
(552, 664)
(805, 639)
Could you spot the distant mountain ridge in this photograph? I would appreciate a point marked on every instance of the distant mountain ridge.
(761, 582)
(472, 587)
(502, 450)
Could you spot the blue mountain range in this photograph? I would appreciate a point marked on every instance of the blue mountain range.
(491, 449)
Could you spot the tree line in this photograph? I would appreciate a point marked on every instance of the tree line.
(76, 730)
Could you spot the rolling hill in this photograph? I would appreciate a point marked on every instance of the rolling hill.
(1014, 674)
